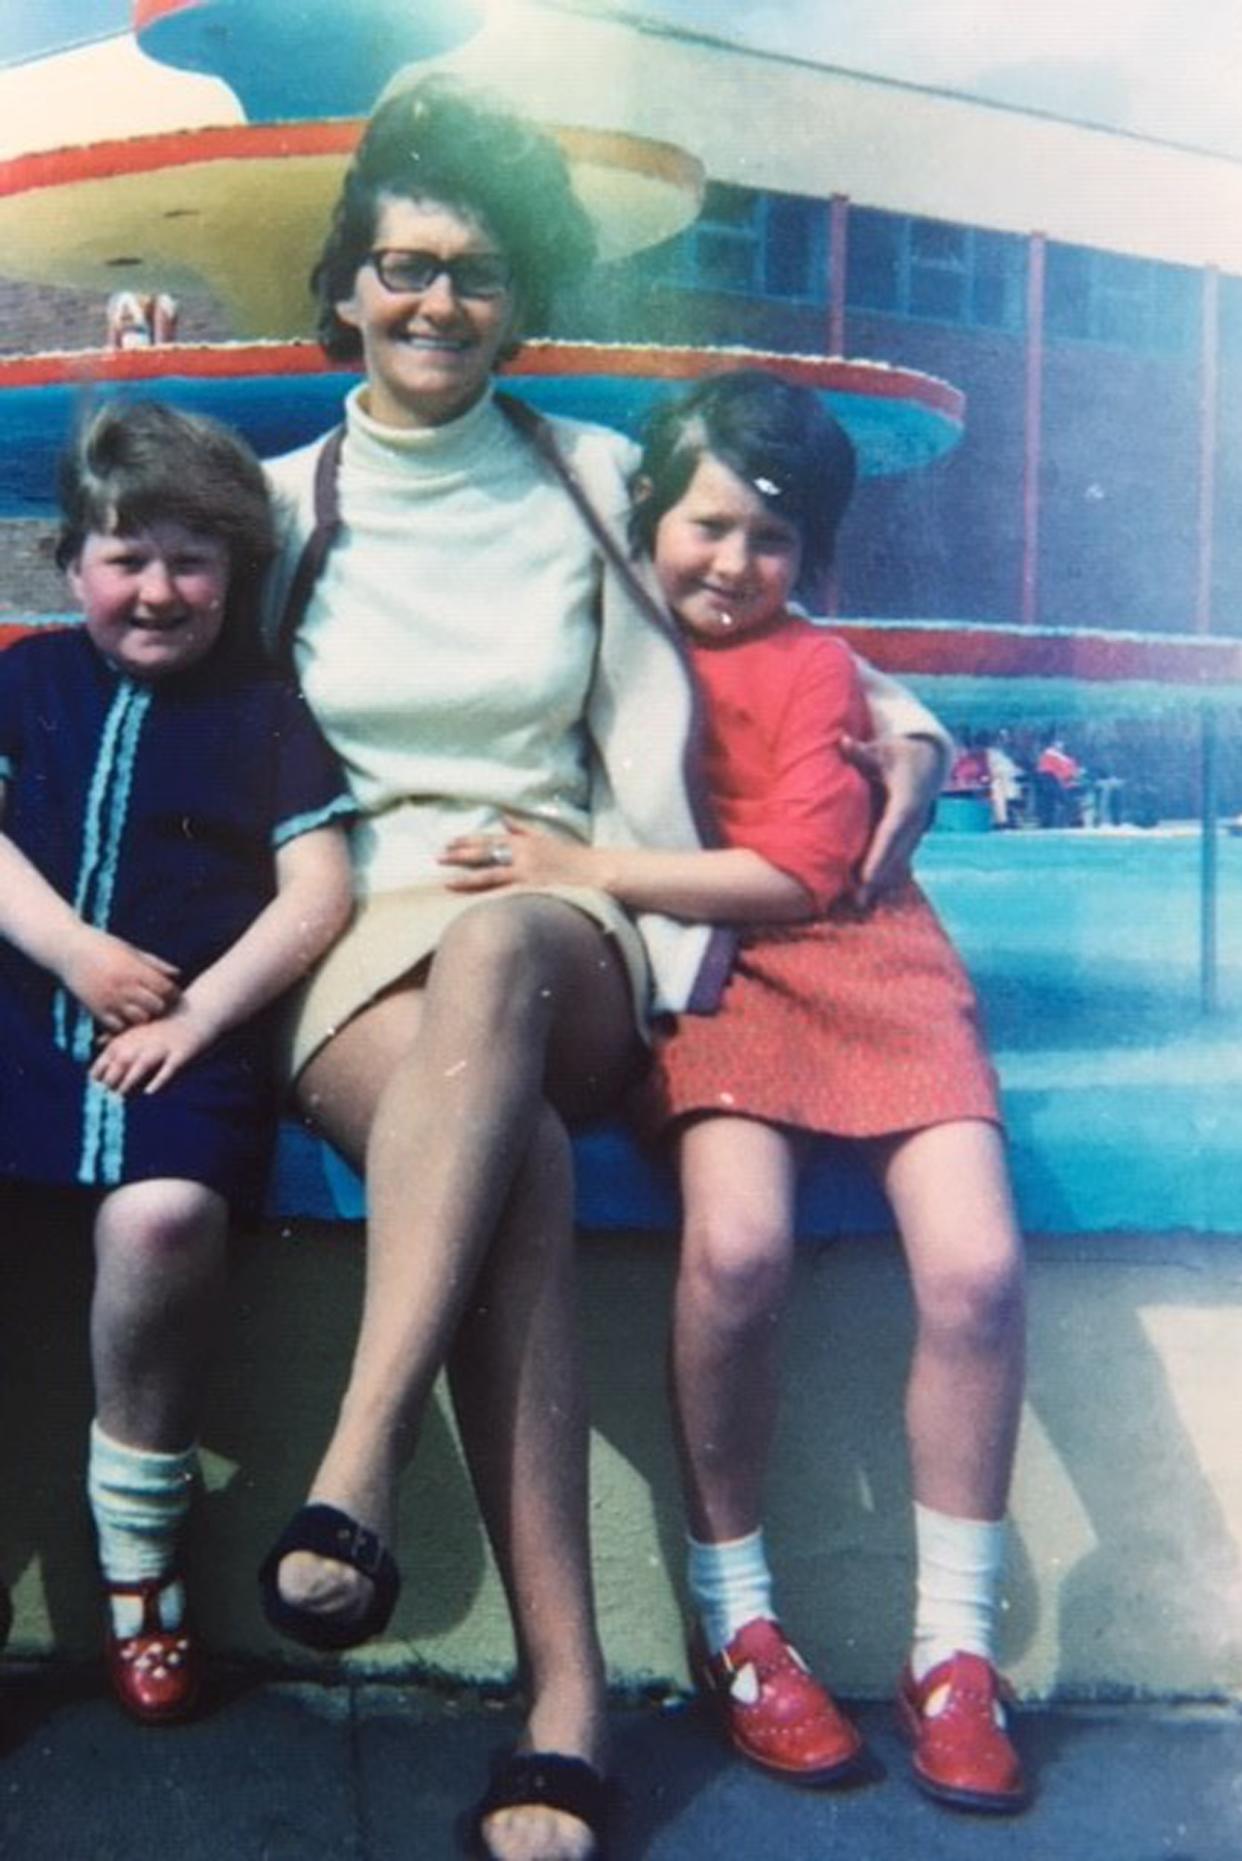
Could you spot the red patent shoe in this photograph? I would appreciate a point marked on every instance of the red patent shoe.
(955, 1719)
(156, 1673)
(773, 1710)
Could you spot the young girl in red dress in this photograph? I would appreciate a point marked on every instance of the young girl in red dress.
(861, 1024)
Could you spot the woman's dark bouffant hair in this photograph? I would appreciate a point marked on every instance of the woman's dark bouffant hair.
(777, 436)
(443, 141)
(133, 464)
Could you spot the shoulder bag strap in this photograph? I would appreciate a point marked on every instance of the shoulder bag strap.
(540, 433)
(327, 508)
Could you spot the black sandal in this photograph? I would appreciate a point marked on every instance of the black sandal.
(525, 1778)
(331, 1533)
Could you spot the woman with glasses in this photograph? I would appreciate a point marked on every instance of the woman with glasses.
(477, 650)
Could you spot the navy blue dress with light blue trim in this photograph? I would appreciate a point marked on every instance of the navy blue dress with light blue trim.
(156, 809)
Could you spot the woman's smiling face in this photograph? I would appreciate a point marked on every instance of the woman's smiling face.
(429, 354)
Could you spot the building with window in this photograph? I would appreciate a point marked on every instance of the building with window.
(1084, 288)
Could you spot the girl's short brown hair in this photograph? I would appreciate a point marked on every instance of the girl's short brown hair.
(133, 464)
(776, 435)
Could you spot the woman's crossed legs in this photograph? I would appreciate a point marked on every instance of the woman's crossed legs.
(454, 1093)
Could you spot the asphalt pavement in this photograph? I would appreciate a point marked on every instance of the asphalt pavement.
(285, 1770)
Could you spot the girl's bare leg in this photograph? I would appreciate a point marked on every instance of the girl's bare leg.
(160, 1253)
(949, 1190)
(737, 1178)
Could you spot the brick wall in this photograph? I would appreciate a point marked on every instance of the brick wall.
(35, 318)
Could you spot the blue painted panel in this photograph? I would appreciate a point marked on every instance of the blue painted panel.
(321, 58)
(279, 412)
(1124, 1103)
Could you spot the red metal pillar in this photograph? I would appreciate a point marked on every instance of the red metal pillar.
(1028, 604)
(838, 252)
(1209, 400)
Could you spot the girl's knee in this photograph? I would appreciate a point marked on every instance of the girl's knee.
(159, 1219)
(977, 1301)
(736, 1261)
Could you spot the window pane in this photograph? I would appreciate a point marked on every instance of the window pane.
(872, 266)
(729, 206)
(994, 301)
(1177, 308)
(1123, 317)
(1067, 285)
(998, 295)
(791, 264)
(725, 261)
(1111, 297)
(1231, 316)
(935, 293)
(1126, 277)
(938, 242)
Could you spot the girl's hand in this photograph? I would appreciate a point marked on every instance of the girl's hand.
(520, 855)
(119, 985)
(147, 1057)
(909, 771)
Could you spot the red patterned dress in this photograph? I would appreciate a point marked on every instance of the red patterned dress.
(860, 1026)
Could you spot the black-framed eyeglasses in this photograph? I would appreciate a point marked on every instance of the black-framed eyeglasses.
(473, 274)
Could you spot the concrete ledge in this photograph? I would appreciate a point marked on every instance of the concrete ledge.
(1125, 1574)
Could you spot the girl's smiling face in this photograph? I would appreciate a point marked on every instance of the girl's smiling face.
(726, 562)
(153, 599)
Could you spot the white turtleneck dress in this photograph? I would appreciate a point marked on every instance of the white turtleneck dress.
(448, 652)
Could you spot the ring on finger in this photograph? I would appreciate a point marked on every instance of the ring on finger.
(499, 854)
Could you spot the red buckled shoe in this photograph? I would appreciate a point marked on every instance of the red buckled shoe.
(156, 1673)
(772, 1709)
(955, 1719)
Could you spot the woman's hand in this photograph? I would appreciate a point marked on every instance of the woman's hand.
(520, 855)
(119, 985)
(910, 771)
(147, 1057)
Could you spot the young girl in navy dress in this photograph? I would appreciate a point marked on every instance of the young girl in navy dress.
(858, 1023)
(171, 859)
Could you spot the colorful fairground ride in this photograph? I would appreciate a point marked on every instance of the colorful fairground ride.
(226, 127)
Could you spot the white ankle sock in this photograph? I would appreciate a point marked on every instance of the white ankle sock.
(959, 1567)
(730, 1584)
(139, 1500)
